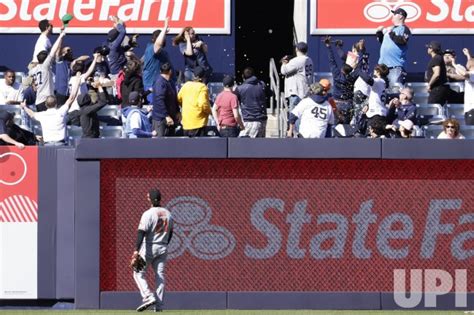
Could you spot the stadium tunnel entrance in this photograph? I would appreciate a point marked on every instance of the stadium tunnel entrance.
(263, 30)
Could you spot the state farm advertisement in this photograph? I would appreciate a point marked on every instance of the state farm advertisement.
(292, 225)
(364, 16)
(140, 16)
(18, 222)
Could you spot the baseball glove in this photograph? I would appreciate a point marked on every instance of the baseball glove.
(137, 263)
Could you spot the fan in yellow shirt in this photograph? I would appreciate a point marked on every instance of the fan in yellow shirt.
(195, 108)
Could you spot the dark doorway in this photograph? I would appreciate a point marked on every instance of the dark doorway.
(264, 30)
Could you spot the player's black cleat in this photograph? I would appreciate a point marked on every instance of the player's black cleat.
(145, 305)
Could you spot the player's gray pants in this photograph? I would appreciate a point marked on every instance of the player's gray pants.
(158, 262)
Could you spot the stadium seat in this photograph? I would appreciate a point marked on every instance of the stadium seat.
(418, 87)
(467, 131)
(456, 86)
(37, 130)
(323, 75)
(432, 131)
(110, 111)
(396, 87)
(429, 114)
(214, 89)
(74, 133)
(454, 110)
(17, 120)
(420, 97)
(459, 118)
(429, 109)
(110, 131)
(110, 115)
(14, 109)
(19, 76)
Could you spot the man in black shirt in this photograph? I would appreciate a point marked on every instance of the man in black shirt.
(436, 75)
(6, 119)
(88, 112)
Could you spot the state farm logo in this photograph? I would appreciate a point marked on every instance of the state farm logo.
(140, 16)
(194, 232)
(436, 10)
(381, 11)
(149, 11)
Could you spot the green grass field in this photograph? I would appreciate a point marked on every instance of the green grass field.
(232, 312)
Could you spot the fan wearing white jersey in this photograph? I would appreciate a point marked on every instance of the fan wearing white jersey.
(378, 84)
(154, 234)
(43, 74)
(314, 112)
(298, 72)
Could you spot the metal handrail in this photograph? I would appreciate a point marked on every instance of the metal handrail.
(278, 99)
(274, 86)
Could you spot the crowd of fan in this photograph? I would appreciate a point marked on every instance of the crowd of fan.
(378, 104)
(64, 90)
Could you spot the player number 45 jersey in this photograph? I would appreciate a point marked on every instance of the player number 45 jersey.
(314, 117)
(157, 224)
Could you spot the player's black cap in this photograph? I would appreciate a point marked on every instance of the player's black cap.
(401, 12)
(134, 98)
(155, 195)
(449, 52)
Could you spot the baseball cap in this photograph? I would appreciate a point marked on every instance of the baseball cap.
(228, 81)
(66, 19)
(450, 52)
(104, 50)
(400, 11)
(302, 46)
(407, 124)
(199, 72)
(154, 194)
(435, 45)
(134, 98)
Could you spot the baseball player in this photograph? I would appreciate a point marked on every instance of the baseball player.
(154, 234)
(314, 112)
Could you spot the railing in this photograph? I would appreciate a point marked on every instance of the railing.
(277, 101)
(274, 86)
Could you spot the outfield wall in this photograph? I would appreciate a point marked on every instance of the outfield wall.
(260, 223)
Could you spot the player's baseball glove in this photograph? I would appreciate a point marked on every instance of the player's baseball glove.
(137, 263)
